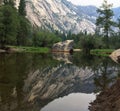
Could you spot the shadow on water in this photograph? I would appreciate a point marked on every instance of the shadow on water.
(30, 81)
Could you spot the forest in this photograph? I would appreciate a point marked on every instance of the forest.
(16, 30)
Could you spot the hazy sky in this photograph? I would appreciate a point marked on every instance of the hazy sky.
(116, 3)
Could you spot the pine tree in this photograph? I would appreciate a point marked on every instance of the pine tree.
(9, 2)
(25, 26)
(22, 10)
(104, 20)
(8, 25)
(24, 31)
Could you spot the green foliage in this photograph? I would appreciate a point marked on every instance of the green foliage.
(101, 52)
(30, 49)
(44, 39)
(114, 42)
(15, 29)
(21, 8)
(9, 2)
(87, 43)
(9, 23)
(24, 32)
(105, 21)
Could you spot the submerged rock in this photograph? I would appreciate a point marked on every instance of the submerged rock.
(66, 46)
(116, 55)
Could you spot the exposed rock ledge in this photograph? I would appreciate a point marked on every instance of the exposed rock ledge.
(66, 46)
(116, 55)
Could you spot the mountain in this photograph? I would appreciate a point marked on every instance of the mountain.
(116, 12)
(59, 15)
(62, 15)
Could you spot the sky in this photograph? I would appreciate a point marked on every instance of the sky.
(116, 3)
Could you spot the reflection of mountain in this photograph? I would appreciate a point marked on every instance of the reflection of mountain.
(58, 81)
(48, 79)
(50, 83)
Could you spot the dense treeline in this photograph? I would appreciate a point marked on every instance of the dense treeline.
(15, 29)
(89, 41)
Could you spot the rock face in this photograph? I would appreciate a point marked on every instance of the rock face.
(116, 56)
(66, 46)
(58, 15)
(62, 15)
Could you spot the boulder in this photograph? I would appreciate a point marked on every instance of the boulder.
(116, 55)
(66, 46)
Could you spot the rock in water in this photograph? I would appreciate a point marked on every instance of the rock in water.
(66, 46)
(116, 55)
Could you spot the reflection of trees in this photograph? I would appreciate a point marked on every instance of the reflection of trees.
(40, 61)
(12, 71)
(14, 68)
(105, 74)
(119, 72)
(104, 68)
(83, 59)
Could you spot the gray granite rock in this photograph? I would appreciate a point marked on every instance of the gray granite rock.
(116, 55)
(66, 46)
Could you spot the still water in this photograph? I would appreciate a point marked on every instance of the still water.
(53, 82)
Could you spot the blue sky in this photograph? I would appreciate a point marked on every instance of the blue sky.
(116, 3)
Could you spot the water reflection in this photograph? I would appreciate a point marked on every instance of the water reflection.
(30, 81)
(72, 102)
(105, 73)
(60, 56)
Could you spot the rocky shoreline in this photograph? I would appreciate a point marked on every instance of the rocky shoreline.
(108, 100)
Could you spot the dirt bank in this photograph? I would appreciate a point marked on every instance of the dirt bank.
(108, 100)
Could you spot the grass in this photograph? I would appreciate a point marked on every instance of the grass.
(30, 49)
(101, 52)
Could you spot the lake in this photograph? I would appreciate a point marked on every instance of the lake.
(53, 82)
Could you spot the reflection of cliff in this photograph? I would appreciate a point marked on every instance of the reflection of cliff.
(60, 56)
(108, 100)
(51, 83)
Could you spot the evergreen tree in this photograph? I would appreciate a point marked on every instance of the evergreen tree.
(23, 31)
(25, 26)
(104, 20)
(9, 2)
(8, 25)
(22, 10)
